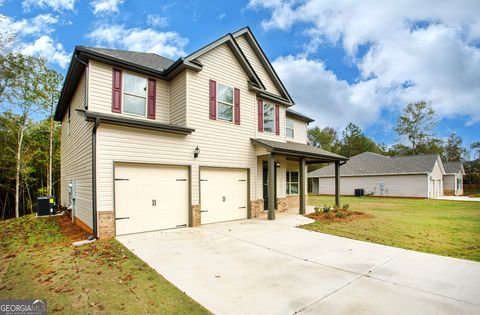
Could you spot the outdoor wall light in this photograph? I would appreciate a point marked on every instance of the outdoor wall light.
(196, 152)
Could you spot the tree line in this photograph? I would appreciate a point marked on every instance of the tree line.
(29, 138)
(415, 127)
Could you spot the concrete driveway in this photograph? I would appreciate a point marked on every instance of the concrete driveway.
(272, 267)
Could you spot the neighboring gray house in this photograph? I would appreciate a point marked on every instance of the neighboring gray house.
(453, 178)
(418, 176)
(150, 143)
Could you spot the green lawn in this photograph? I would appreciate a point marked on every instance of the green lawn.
(450, 228)
(38, 261)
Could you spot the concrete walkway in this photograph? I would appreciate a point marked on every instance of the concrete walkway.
(272, 267)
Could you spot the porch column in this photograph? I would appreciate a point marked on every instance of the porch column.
(337, 183)
(271, 187)
(301, 190)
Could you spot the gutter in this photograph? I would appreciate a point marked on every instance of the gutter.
(86, 80)
(94, 176)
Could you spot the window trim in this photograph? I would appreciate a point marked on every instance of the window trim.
(287, 128)
(274, 117)
(289, 182)
(223, 103)
(135, 95)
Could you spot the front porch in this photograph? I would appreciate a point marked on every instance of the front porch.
(282, 170)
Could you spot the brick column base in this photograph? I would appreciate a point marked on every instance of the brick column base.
(106, 224)
(196, 216)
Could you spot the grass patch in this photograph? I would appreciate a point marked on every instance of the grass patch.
(38, 261)
(449, 228)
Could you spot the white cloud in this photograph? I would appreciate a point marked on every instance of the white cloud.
(45, 47)
(41, 24)
(32, 37)
(156, 20)
(416, 50)
(57, 5)
(106, 6)
(221, 16)
(168, 44)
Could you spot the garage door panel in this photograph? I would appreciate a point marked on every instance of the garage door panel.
(150, 198)
(224, 194)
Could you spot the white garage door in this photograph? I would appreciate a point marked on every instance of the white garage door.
(150, 197)
(223, 194)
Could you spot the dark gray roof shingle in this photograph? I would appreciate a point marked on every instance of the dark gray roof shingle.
(147, 60)
(453, 167)
(369, 163)
(299, 148)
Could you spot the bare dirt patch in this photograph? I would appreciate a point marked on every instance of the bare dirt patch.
(70, 230)
(338, 216)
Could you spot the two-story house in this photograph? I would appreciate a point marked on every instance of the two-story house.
(149, 143)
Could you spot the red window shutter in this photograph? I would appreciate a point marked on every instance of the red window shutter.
(152, 93)
(117, 91)
(213, 100)
(277, 120)
(236, 103)
(260, 115)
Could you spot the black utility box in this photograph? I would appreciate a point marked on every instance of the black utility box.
(359, 192)
(45, 205)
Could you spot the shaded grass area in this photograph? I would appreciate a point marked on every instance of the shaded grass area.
(449, 228)
(39, 262)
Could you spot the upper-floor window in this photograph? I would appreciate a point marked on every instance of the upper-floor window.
(268, 117)
(134, 94)
(224, 102)
(292, 183)
(290, 128)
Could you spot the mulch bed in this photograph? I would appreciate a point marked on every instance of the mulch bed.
(339, 216)
(71, 230)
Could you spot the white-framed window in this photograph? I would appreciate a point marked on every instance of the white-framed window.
(224, 102)
(268, 117)
(459, 183)
(292, 183)
(290, 128)
(134, 95)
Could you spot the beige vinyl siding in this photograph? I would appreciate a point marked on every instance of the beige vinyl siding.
(100, 94)
(76, 156)
(221, 144)
(394, 185)
(178, 100)
(256, 65)
(299, 131)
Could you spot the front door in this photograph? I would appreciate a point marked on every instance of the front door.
(265, 185)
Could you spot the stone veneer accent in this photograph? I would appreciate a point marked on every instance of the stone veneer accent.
(449, 193)
(256, 207)
(282, 204)
(196, 216)
(106, 224)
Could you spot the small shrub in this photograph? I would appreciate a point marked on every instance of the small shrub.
(345, 206)
(317, 210)
(340, 215)
(326, 209)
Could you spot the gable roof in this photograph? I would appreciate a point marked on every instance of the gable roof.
(147, 60)
(163, 68)
(454, 167)
(369, 163)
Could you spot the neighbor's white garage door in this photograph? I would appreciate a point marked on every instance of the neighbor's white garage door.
(150, 197)
(223, 194)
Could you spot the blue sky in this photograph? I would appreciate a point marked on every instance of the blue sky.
(342, 61)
